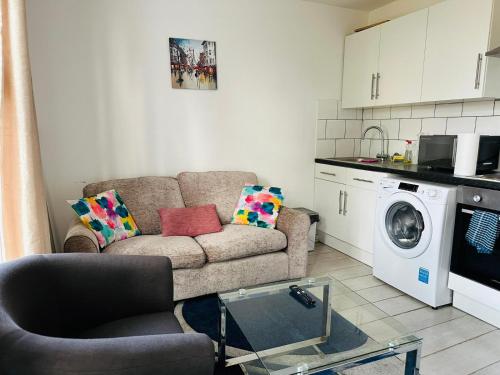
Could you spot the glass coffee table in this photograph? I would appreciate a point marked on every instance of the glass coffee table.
(279, 335)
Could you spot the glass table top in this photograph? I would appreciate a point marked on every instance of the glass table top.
(283, 336)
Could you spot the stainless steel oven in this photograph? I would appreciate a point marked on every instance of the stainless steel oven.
(467, 260)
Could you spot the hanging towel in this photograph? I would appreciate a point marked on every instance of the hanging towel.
(483, 231)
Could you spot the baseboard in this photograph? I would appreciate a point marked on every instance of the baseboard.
(348, 249)
(474, 308)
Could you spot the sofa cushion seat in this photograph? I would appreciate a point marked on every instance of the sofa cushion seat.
(240, 241)
(184, 252)
(161, 323)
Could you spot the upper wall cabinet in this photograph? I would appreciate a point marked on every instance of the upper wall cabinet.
(458, 36)
(435, 54)
(383, 65)
(360, 68)
(401, 63)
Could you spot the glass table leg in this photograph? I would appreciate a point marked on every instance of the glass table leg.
(221, 356)
(412, 365)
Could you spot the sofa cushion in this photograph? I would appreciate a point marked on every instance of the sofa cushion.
(220, 188)
(106, 215)
(161, 323)
(184, 252)
(189, 221)
(240, 241)
(143, 197)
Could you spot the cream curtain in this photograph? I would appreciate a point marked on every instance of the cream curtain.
(24, 227)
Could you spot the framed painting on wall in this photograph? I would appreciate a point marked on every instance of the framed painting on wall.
(193, 64)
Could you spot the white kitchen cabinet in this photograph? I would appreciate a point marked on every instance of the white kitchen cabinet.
(346, 208)
(437, 54)
(360, 217)
(401, 62)
(384, 65)
(328, 198)
(459, 34)
(360, 68)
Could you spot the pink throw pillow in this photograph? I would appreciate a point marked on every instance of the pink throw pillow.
(189, 221)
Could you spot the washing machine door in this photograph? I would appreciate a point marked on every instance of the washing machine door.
(405, 225)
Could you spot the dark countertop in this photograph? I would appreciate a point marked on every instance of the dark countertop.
(413, 171)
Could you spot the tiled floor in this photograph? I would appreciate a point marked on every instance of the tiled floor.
(455, 343)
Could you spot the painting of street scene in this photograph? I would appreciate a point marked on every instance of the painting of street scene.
(193, 64)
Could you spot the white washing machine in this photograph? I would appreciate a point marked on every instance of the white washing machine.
(413, 238)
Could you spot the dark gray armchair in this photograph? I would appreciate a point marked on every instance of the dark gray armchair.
(95, 314)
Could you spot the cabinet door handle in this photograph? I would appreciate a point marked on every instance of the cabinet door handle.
(373, 86)
(341, 193)
(478, 71)
(328, 174)
(362, 180)
(377, 91)
(345, 203)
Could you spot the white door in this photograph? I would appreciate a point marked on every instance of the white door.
(405, 225)
(360, 68)
(328, 201)
(457, 38)
(360, 214)
(401, 63)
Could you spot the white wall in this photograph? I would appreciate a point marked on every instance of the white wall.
(398, 8)
(106, 109)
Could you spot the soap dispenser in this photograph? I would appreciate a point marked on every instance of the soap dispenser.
(409, 152)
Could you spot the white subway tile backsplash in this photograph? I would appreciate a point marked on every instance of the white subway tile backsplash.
(371, 133)
(410, 129)
(449, 110)
(353, 128)
(327, 109)
(321, 129)
(488, 125)
(396, 146)
(402, 112)
(325, 148)
(339, 132)
(391, 128)
(460, 125)
(367, 113)
(423, 111)
(497, 108)
(335, 129)
(483, 108)
(347, 113)
(365, 147)
(359, 114)
(357, 147)
(433, 126)
(381, 113)
(344, 148)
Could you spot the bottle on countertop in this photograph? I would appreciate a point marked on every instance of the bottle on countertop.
(409, 152)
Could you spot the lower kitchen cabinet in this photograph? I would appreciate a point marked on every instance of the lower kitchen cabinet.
(346, 207)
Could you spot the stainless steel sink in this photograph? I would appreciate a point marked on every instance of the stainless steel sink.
(359, 159)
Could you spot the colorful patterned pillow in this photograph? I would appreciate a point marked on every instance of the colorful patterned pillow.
(107, 216)
(258, 206)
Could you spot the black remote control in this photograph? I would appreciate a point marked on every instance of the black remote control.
(301, 295)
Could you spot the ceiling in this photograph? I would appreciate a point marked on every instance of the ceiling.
(366, 5)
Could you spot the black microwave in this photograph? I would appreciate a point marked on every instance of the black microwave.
(439, 151)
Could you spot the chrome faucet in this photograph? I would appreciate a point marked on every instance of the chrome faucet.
(382, 155)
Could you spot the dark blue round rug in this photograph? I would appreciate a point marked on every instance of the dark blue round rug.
(276, 320)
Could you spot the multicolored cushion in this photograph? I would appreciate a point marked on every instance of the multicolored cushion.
(107, 216)
(258, 206)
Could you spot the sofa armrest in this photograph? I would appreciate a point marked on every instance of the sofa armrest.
(295, 225)
(80, 239)
(180, 353)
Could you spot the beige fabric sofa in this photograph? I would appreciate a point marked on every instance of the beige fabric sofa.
(239, 256)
